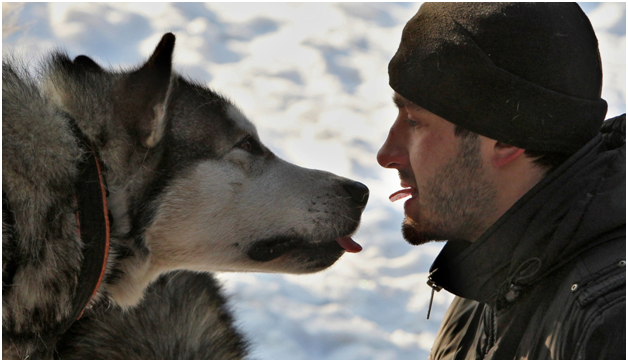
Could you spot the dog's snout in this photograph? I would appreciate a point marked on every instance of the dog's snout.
(358, 191)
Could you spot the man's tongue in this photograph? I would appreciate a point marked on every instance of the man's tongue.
(401, 194)
(349, 244)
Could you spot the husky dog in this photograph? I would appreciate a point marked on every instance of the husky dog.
(111, 179)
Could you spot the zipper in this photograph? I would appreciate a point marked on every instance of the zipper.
(434, 287)
(490, 324)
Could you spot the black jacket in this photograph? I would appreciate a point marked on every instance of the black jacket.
(548, 279)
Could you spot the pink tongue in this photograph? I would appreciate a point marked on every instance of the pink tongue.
(349, 244)
(401, 194)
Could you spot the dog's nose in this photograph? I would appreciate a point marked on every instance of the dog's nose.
(358, 191)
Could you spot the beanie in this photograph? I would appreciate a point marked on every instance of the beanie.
(526, 74)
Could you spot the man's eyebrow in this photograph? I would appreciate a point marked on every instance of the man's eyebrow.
(401, 103)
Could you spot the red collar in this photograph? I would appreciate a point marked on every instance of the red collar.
(93, 222)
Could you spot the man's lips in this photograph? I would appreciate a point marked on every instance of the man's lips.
(400, 194)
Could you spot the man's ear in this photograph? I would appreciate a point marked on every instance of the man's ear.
(504, 153)
(142, 96)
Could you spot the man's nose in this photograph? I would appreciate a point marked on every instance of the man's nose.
(390, 154)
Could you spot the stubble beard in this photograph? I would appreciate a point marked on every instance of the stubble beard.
(457, 201)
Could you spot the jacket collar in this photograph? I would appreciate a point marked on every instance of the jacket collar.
(559, 218)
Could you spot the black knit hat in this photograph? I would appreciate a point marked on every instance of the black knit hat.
(526, 74)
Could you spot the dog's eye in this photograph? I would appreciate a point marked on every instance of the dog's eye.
(250, 145)
(247, 145)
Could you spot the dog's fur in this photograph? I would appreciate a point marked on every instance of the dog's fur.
(190, 188)
(182, 316)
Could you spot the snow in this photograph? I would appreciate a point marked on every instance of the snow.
(313, 78)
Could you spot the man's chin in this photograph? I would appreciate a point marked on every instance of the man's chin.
(411, 233)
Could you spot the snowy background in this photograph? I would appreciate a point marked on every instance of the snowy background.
(313, 78)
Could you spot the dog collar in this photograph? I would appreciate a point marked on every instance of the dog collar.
(93, 222)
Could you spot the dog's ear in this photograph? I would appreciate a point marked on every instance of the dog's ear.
(142, 96)
(86, 63)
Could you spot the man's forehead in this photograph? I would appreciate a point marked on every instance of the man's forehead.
(402, 102)
(405, 104)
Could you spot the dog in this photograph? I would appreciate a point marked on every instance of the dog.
(113, 179)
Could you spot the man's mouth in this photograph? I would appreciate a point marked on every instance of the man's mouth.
(401, 194)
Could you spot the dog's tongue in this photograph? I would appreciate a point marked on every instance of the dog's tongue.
(401, 194)
(349, 244)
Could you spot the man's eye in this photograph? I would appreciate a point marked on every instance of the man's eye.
(412, 123)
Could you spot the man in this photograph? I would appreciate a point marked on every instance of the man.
(500, 143)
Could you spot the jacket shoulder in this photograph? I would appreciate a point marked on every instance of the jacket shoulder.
(598, 272)
(614, 131)
(598, 299)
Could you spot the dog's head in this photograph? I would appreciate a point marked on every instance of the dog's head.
(192, 180)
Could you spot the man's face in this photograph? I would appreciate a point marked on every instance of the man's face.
(453, 196)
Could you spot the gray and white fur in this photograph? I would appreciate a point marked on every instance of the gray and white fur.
(191, 187)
